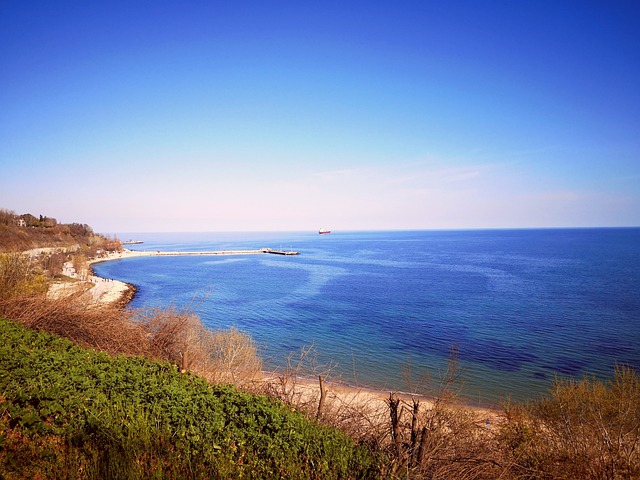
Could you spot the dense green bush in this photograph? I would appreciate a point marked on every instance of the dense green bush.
(68, 412)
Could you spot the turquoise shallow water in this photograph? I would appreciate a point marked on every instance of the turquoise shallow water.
(520, 305)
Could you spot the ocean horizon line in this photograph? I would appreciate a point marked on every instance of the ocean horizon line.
(392, 230)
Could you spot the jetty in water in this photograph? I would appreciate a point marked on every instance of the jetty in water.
(126, 253)
(222, 252)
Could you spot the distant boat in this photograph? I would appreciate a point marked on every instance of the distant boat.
(324, 231)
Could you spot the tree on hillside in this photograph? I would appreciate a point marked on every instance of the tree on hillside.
(7, 217)
(29, 220)
(19, 275)
(80, 230)
(48, 222)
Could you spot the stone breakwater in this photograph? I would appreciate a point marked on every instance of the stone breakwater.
(216, 252)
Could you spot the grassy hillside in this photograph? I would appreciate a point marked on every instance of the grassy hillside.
(34, 233)
(69, 412)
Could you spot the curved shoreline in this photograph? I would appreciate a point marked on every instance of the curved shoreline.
(122, 293)
(115, 292)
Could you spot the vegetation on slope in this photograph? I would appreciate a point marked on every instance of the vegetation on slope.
(69, 412)
(24, 232)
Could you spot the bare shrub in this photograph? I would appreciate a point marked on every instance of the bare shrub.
(7, 217)
(584, 429)
(165, 331)
(111, 244)
(290, 385)
(433, 435)
(360, 413)
(307, 385)
(20, 275)
(232, 357)
(105, 328)
(80, 263)
(424, 436)
(54, 263)
(227, 356)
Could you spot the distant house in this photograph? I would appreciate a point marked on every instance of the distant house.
(21, 223)
(29, 220)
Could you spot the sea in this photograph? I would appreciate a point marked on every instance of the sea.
(392, 310)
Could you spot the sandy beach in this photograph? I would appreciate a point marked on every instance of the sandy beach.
(102, 291)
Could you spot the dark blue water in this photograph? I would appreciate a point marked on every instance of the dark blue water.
(387, 307)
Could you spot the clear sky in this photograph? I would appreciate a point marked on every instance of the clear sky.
(185, 115)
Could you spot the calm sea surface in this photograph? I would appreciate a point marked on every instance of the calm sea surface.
(387, 307)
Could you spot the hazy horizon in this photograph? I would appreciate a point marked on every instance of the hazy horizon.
(216, 117)
(129, 235)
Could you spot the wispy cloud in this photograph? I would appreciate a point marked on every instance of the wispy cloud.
(341, 174)
(411, 176)
(436, 176)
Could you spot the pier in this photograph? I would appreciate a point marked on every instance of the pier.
(207, 253)
(280, 252)
(158, 253)
(213, 253)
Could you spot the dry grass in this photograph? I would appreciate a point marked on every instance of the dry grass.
(107, 328)
(171, 335)
(308, 386)
(429, 435)
(435, 436)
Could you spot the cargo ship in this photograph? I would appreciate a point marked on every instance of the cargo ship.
(324, 231)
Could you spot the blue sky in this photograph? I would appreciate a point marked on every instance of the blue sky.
(250, 116)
